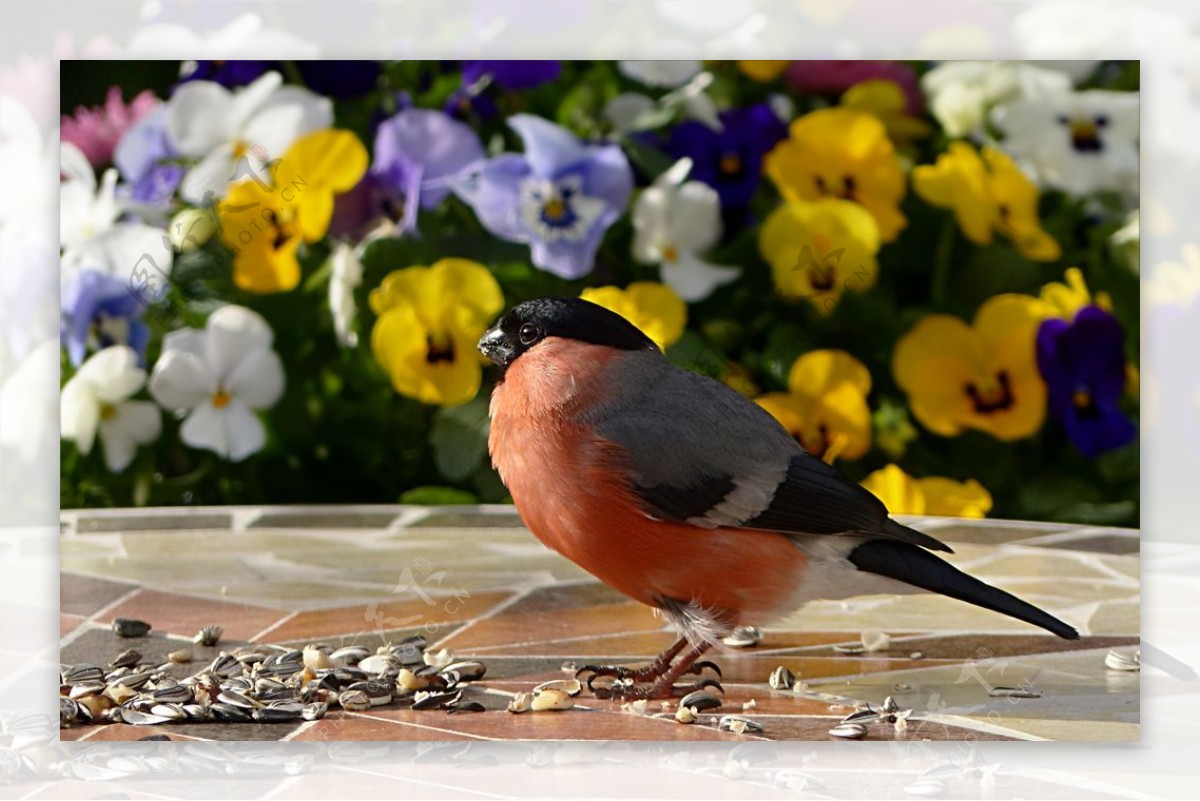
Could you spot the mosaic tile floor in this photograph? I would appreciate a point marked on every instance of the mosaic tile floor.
(473, 581)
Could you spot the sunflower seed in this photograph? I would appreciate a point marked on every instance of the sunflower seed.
(350, 655)
(1117, 660)
(378, 692)
(408, 682)
(743, 637)
(234, 698)
(154, 738)
(435, 700)
(316, 656)
(136, 718)
(86, 688)
(782, 679)
(738, 724)
(76, 674)
(701, 701)
(126, 627)
(96, 705)
(469, 706)
(314, 711)
(1014, 692)
(68, 711)
(849, 731)
(277, 713)
(196, 711)
(849, 648)
(571, 687)
(471, 670)
(686, 714)
(916, 655)
(521, 702)
(180, 657)
(354, 700)
(208, 636)
(176, 694)
(127, 659)
(229, 712)
(438, 659)
(226, 666)
(169, 711)
(867, 715)
(378, 664)
(133, 681)
(551, 699)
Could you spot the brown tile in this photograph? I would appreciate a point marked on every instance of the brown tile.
(635, 646)
(368, 618)
(572, 724)
(567, 596)
(87, 595)
(344, 727)
(511, 627)
(185, 615)
(989, 646)
(121, 732)
(67, 624)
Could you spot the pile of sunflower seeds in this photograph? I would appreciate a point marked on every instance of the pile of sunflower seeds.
(267, 684)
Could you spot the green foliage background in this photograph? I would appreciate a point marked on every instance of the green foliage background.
(342, 435)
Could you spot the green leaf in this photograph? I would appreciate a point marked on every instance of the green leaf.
(459, 438)
(437, 496)
(693, 352)
(1046, 497)
(1099, 514)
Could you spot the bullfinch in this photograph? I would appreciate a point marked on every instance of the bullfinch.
(684, 495)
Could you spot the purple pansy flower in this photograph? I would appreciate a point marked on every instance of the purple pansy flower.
(230, 74)
(512, 74)
(140, 157)
(729, 160)
(559, 196)
(1083, 363)
(416, 151)
(474, 97)
(99, 309)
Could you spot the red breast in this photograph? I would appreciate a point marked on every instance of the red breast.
(572, 490)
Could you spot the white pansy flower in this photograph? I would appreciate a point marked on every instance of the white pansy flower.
(97, 400)
(85, 209)
(631, 111)
(236, 134)
(219, 377)
(661, 74)
(345, 276)
(1127, 240)
(1079, 142)
(962, 92)
(675, 221)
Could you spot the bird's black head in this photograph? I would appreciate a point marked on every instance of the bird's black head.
(570, 318)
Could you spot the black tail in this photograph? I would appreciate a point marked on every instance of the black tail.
(912, 565)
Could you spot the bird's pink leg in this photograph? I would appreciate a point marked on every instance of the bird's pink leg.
(649, 672)
(664, 684)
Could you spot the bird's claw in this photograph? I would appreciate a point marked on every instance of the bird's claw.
(699, 667)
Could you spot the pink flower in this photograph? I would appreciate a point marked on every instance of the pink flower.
(835, 77)
(96, 131)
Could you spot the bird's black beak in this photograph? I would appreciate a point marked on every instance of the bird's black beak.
(495, 345)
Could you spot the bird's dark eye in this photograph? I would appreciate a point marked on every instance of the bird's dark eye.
(529, 333)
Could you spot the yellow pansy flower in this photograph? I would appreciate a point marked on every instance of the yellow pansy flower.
(818, 250)
(1068, 298)
(841, 153)
(652, 307)
(904, 495)
(988, 194)
(763, 71)
(825, 407)
(982, 376)
(429, 321)
(264, 223)
(885, 99)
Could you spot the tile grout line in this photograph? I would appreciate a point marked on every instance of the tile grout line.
(423, 726)
(286, 618)
(488, 615)
(82, 626)
(303, 727)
